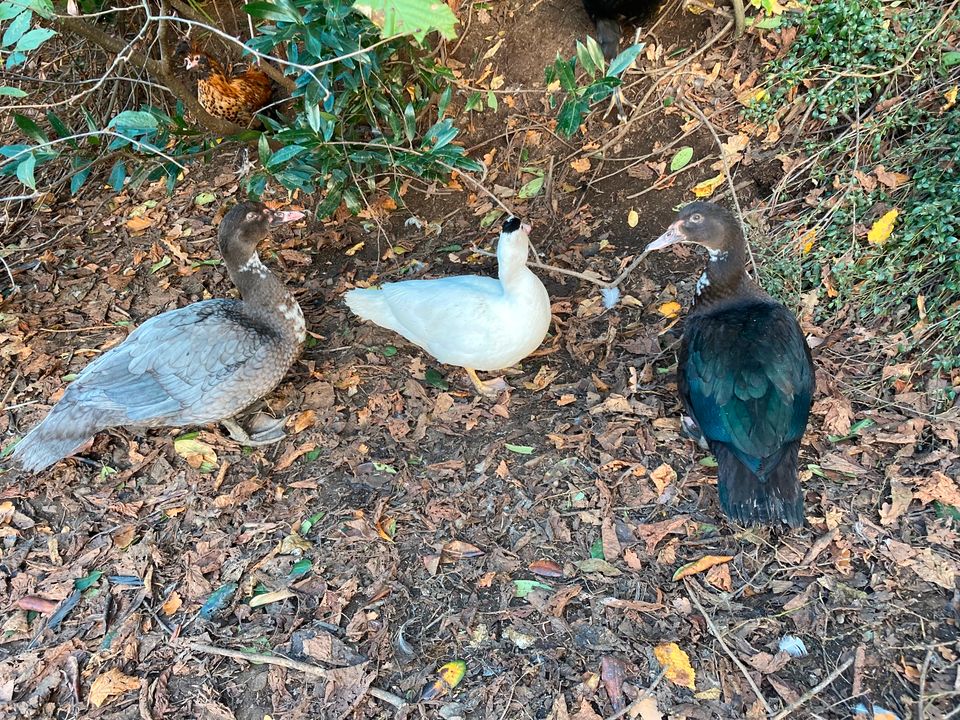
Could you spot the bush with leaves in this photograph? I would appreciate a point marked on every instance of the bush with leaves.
(367, 99)
(881, 139)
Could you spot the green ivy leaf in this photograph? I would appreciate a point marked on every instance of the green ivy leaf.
(25, 172)
(280, 12)
(522, 588)
(16, 29)
(531, 188)
(118, 174)
(622, 61)
(134, 120)
(409, 17)
(682, 158)
(34, 39)
(519, 449)
(435, 379)
(12, 92)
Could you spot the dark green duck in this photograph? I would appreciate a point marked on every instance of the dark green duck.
(745, 375)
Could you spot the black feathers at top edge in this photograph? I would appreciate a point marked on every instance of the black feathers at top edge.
(511, 225)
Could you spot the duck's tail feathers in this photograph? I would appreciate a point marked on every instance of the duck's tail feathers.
(747, 499)
(370, 304)
(62, 433)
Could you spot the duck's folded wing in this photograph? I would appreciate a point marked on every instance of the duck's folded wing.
(422, 310)
(747, 378)
(173, 362)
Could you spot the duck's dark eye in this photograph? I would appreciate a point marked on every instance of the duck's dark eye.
(696, 218)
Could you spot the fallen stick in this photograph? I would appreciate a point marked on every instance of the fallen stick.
(716, 633)
(813, 692)
(314, 670)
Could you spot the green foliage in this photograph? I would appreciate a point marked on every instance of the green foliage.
(578, 96)
(361, 108)
(844, 53)
(357, 116)
(910, 282)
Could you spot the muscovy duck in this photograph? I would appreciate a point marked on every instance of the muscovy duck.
(745, 375)
(477, 323)
(606, 14)
(195, 365)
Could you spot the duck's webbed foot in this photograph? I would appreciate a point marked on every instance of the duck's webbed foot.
(489, 389)
(264, 430)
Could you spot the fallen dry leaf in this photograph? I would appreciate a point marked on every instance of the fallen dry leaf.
(663, 476)
(580, 165)
(109, 685)
(173, 603)
(698, 566)
(677, 665)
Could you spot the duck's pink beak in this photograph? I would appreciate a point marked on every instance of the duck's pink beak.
(286, 216)
(526, 227)
(672, 236)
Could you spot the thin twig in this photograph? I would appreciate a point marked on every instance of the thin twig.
(691, 593)
(589, 276)
(395, 700)
(644, 695)
(923, 684)
(14, 288)
(813, 692)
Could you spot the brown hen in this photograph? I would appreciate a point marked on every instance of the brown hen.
(236, 98)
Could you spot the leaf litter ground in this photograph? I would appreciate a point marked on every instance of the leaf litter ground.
(564, 541)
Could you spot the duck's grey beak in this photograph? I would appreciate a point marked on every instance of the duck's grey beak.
(284, 216)
(672, 236)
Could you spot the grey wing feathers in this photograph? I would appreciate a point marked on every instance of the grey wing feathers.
(168, 366)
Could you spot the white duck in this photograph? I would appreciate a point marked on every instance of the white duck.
(477, 323)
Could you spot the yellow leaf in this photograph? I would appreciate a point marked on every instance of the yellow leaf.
(749, 97)
(110, 684)
(355, 249)
(951, 97)
(882, 228)
(669, 309)
(449, 676)
(676, 663)
(706, 188)
(581, 165)
(698, 566)
(633, 218)
(809, 239)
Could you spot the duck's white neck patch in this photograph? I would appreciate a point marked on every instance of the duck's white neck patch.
(294, 315)
(702, 284)
(254, 265)
(717, 255)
